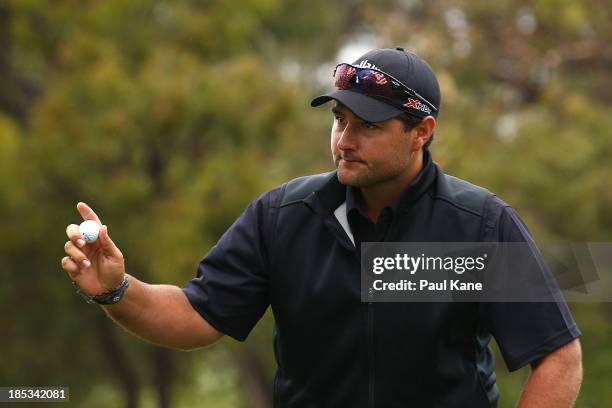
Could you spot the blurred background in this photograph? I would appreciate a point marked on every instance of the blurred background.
(169, 117)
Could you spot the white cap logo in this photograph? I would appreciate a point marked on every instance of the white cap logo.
(366, 64)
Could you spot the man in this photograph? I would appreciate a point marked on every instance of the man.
(296, 249)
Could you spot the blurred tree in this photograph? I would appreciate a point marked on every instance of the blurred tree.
(169, 117)
(163, 116)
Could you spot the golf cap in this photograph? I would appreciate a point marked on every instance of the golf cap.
(409, 86)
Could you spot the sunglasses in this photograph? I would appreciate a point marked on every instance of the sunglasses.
(374, 82)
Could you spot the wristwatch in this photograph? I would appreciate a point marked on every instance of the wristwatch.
(107, 298)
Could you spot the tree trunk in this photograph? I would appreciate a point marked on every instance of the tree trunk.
(254, 379)
(17, 93)
(118, 363)
(163, 374)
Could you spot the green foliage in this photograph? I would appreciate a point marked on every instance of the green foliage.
(170, 117)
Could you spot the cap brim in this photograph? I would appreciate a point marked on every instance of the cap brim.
(367, 108)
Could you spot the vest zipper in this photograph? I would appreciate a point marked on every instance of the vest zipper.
(370, 355)
(345, 242)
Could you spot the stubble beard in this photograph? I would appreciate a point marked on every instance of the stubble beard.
(362, 177)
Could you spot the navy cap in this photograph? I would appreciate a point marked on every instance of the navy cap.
(408, 68)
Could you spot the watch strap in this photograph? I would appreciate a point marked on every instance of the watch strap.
(107, 298)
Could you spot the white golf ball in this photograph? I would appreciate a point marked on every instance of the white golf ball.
(89, 230)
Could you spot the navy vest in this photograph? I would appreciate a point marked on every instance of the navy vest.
(335, 351)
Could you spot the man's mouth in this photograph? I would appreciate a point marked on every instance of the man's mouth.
(350, 160)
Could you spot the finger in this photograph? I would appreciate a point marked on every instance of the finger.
(70, 267)
(87, 213)
(72, 231)
(108, 246)
(76, 254)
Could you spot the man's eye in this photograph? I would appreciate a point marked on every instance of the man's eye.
(338, 118)
(369, 125)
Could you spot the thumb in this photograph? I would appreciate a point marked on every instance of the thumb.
(108, 246)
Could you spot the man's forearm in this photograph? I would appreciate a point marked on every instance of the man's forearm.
(555, 381)
(162, 315)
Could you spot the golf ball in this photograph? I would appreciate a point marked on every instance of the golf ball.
(89, 230)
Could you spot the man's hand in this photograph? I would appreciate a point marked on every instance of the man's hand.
(97, 267)
(160, 314)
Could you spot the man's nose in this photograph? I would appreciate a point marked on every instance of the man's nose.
(348, 139)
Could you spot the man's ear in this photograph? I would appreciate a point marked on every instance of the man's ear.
(423, 132)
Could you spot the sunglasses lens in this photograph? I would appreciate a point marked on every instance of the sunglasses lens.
(375, 83)
(343, 75)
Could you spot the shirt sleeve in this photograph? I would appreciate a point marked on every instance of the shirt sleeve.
(230, 290)
(526, 332)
